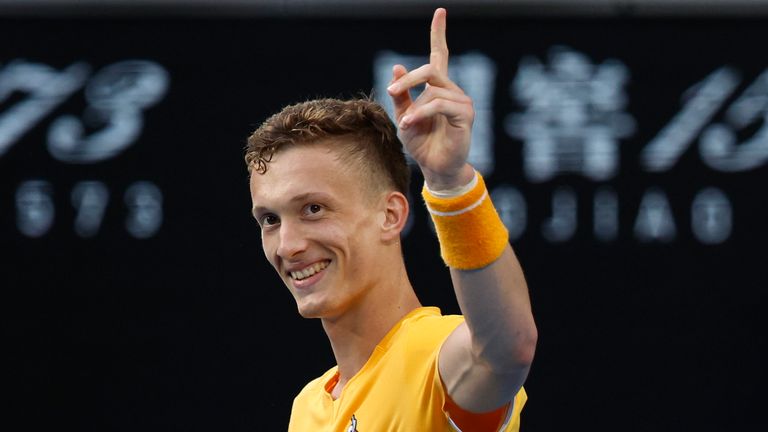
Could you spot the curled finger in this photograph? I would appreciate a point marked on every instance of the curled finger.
(458, 113)
(426, 74)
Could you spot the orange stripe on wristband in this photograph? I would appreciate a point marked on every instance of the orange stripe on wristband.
(469, 229)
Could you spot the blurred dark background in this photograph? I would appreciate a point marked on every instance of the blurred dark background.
(625, 144)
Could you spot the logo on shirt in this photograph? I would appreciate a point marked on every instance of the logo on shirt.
(352, 425)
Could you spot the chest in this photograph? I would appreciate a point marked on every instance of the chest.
(397, 395)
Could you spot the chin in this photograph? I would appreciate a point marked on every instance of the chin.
(307, 314)
(308, 310)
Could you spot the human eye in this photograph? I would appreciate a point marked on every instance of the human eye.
(312, 209)
(268, 219)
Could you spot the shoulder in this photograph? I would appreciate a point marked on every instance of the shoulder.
(425, 330)
(431, 323)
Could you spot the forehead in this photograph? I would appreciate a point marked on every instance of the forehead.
(302, 169)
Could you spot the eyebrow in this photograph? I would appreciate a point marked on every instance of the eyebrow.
(307, 196)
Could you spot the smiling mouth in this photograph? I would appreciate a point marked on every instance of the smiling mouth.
(309, 271)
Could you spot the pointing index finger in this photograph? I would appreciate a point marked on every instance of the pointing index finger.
(438, 56)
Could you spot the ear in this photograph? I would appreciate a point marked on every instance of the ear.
(395, 214)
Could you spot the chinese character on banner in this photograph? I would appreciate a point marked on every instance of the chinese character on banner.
(718, 141)
(573, 115)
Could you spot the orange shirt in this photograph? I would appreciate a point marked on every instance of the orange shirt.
(398, 389)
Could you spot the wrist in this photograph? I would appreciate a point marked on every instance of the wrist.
(469, 229)
(454, 192)
(442, 183)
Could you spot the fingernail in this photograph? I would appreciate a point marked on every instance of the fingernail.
(392, 88)
(404, 122)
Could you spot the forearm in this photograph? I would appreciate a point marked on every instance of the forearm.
(496, 306)
(487, 277)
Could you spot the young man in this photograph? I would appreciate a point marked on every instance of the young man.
(328, 183)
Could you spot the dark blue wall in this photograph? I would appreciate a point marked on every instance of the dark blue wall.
(189, 329)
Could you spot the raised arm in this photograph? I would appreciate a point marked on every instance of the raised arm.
(485, 361)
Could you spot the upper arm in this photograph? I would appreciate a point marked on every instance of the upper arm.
(472, 383)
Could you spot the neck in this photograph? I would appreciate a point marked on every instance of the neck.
(355, 334)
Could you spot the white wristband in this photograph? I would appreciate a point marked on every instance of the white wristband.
(454, 192)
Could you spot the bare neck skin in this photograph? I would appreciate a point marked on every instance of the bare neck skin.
(355, 333)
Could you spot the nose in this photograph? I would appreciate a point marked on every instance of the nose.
(292, 240)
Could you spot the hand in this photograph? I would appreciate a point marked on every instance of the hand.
(436, 127)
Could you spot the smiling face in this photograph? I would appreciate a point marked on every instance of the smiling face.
(320, 227)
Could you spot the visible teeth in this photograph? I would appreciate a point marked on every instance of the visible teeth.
(309, 271)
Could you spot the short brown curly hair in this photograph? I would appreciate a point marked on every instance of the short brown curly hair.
(360, 127)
